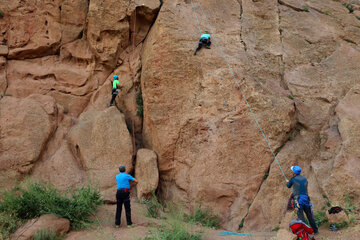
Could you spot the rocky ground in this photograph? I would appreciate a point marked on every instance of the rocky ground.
(296, 61)
(105, 230)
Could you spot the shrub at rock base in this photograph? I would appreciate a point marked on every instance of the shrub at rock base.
(36, 199)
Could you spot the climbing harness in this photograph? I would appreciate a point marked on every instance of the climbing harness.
(236, 81)
(244, 234)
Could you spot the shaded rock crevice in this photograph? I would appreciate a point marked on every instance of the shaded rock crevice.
(293, 7)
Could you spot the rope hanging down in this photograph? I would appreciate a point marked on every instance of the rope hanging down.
(236, 81)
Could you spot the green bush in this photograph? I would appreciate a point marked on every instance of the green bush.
(8, 224)
(1, 14)
(275, 229)
(320, 217)
(204, 217)
(36, 199)
(140, 104)
(349, 6)
(343, 224)
(46, 235)
(177, 231)
(153, 207)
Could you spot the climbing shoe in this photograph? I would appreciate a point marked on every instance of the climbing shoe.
(208, 47)
(117, 226)
(131, 226)
(195, 53)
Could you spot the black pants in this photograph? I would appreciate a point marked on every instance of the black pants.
(201, 42)
(310, 216)
(123, 197)
(114, 93)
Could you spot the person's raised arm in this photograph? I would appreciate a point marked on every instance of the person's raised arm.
(135, 180)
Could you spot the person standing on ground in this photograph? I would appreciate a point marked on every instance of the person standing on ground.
(299, 186)
(123, 196)
(204, 39)
(115, 89)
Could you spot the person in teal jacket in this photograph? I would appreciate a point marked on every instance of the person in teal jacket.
(204, 39)
(115, 89)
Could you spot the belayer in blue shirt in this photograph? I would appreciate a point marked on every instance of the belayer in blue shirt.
(299, 186)
(204, 39)
(123, 195)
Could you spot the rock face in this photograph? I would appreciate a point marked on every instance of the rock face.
(295, 61)
(209, 147)
(101, 142)
(20, 145)
(46, 222)
(290, 59)
(147, 173)
(64, 52)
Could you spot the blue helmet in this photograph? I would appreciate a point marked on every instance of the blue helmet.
(115, 77)
(296, 169)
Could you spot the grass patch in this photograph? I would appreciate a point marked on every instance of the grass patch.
(349, 206)
(308, 41)
(1, 14)
(8, 224)
(35, 199)
(176, 231)
(266, 175)
(343, 224)
(291, 96)
(153, 207)
(46, 235)
(204, 217)
(66, 110)
(292, 136)
(241, 225)
(305, 9)
(275, 229)
(140, 104)
(320, 217)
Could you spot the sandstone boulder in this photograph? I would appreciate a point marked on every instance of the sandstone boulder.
(20, 144)
(337, 217)
(101, 143)
(46, 222)
(147, 173)
(61, 170)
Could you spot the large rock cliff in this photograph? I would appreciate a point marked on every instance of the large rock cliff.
(296, 62)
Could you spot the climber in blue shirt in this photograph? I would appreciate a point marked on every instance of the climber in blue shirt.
(204, 39)
(299, 186)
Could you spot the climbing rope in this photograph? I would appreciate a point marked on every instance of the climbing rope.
(197, 20)
(244, 234)
(236, 81)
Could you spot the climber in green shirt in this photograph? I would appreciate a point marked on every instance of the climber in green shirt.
(115, 89)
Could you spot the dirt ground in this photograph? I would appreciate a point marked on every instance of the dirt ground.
(104, 228)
